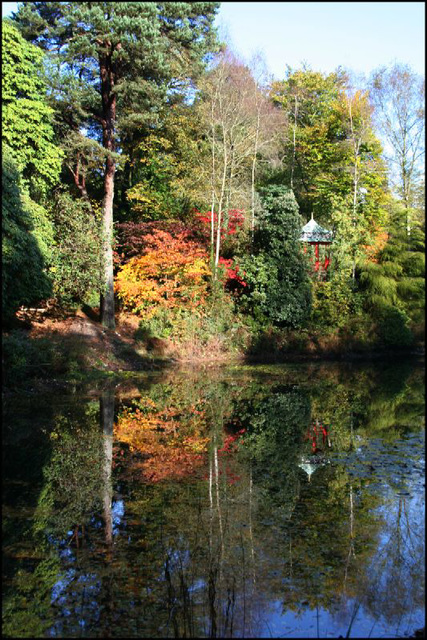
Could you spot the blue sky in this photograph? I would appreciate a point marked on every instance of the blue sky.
(360, 36)
(356, 35)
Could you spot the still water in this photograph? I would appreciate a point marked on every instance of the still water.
(268, 501)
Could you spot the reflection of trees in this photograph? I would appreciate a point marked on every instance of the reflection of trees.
(395, 582)
(327, 542)
(107, 422)
(274, 444)
(65, 504)
(205, 552)
(71, 492)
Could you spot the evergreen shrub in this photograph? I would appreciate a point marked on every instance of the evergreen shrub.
(278, 286)
(393, 327)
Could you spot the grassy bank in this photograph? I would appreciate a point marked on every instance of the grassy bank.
(76, 349)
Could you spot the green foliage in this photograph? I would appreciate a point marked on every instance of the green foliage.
(218, 330)
(25, 359)
(155, 54)
(333, 159)
(278, 284)
(160, 180)
(77, 256)
(394, 328)
(258, 272)
(335, 301)
(159, 325)
(73, 479)
(274, 444)
(27, 233)
(396, 279)
(307, 97)
(27, 610)
(26, 117)
(31, 166)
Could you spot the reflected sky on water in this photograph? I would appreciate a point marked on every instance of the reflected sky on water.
(267, 501)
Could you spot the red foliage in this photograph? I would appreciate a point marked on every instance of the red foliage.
(232, 278)
(192, 237)
(230, 442)
(236, 218)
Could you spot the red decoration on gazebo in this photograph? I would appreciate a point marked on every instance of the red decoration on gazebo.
(313, 234)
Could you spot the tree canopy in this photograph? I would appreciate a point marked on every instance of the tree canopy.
(134, 114)
(117, 63)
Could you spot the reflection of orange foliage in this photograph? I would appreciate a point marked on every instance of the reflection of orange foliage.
(157, 435)
(372, 250)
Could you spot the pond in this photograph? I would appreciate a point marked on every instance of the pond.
(267, 501)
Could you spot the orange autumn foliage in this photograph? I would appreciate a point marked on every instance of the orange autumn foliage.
(156, 436)
(372, 250)
(172, 273)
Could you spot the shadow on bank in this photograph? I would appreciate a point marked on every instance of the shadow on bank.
(347, 343)
(86, 352)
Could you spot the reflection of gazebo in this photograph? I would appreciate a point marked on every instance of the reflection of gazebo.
(313, 234)
(318, 437)
(309, 465)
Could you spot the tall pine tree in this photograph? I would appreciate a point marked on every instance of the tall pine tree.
(117, 63)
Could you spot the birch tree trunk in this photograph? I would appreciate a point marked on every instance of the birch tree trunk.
(220, 203)
(213, 170)
(356, 141)
(253, 169)
(294, 147)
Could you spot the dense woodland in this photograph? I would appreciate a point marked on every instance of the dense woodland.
(148, 170)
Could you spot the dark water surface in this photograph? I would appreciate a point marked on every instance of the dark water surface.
(268, 501)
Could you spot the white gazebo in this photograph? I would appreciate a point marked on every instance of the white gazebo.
(312, 233)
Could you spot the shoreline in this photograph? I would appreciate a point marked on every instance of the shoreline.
(77, 350)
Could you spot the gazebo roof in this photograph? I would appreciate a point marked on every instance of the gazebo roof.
(313, 232)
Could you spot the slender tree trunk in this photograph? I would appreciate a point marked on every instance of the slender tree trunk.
(213, 182)
(108, 126)
(294, 142)
(230, 188)
(406, 195)
(253, 172)
(356, 141)
(220, 205)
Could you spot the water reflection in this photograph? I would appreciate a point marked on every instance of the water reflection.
(259, 502)
(106, 410)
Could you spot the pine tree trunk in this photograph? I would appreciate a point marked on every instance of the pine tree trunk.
(107, 300)
(108, 124)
